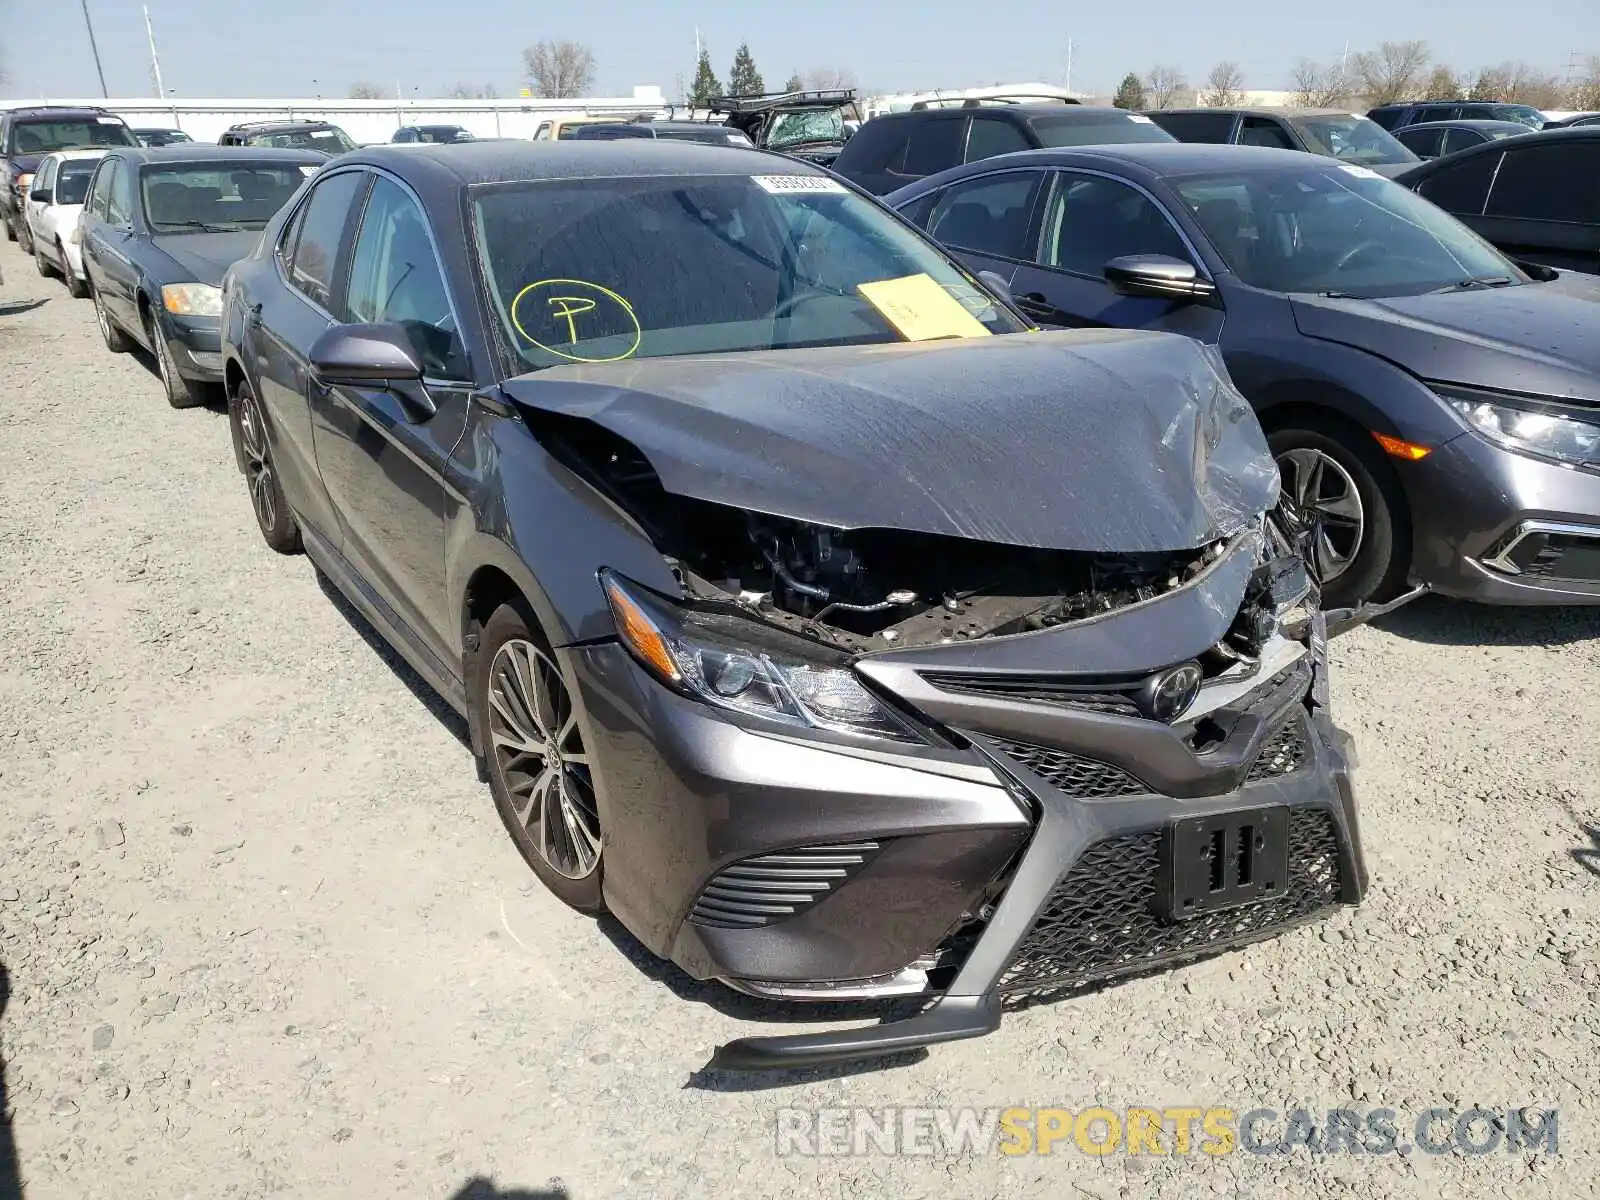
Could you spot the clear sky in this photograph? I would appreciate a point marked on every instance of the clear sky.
(309, 47)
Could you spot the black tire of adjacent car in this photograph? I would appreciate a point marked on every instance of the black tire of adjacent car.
(41, 263)
(516, 621)
(181, 392)
(24, 236)
(280, 532)
(116, 340)
(1384, 556)
(76, 288)
(11, 230)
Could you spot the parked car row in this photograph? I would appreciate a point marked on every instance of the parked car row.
(809, 568)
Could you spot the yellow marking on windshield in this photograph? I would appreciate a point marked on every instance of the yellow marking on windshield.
(920, 308)
(605, 313)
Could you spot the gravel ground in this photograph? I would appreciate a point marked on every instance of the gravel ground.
(266, 937)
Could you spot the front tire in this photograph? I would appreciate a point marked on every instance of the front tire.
(25, 241)
(42, 264)
(1340, 479)
(116, 340)
(76, 288)
(181, 392)
(538, 765)
(254, 453)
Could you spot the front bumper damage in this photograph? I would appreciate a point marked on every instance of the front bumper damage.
(1026, 855)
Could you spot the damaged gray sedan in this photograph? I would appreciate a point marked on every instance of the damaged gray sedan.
(841, 636)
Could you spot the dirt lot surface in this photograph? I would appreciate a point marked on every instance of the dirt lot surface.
(265, 936)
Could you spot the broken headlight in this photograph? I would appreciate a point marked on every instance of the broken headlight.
(737, 664)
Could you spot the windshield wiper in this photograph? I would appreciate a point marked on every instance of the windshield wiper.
(207, 226)
(1471, 283)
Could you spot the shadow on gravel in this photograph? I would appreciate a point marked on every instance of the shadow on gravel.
(484, 1189)
(10, 1171)
(430, 699)
(15, 308)
(1438, 621)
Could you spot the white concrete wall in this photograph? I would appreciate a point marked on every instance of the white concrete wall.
(364, 120)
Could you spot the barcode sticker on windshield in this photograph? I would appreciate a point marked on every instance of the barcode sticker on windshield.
(309, 169)
(778, 185)
(1141, 118)
(108, 120)
(1360, 172)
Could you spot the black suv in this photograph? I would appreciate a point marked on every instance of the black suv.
(1398, 116)
(28, 134)
(897, 149)
(290, 135)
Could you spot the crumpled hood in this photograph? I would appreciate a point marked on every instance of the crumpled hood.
(1110, 441)
(1541, 338)
(207, 256)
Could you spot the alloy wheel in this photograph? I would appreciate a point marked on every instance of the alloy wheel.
(533, 728)
(1327, 494)
(100, 317)
(257, 461)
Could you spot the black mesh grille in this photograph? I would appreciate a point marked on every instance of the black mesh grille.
(1284, 753)
(1101, 921)
(1083, 778)
(1109, 695)
(755, 892)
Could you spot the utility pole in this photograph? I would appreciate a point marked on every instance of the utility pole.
(99, 70)
(1069, 65)
(155, 62)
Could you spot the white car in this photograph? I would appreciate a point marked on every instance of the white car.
(52, 210)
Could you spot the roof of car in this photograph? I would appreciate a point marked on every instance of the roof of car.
(287, 126)
(47, 112)
(454, 164)
(1070, 111)
(1486, 126)
(69, 155)
(189, 152)
(1265, 110)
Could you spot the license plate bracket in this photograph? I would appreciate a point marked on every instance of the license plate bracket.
(1223, 860)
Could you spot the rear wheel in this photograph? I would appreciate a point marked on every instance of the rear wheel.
(1340, 480)
(76, 288)
(41, 263)
(116, 340)
(24, 235)
(538, 764)
(254, 452)
(11, 230)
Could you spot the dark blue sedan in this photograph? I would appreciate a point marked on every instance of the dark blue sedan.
(1433, 405)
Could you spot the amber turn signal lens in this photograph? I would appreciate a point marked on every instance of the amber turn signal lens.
(1396, 448)
(639, 633)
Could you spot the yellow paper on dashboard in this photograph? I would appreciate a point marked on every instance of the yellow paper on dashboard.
(921, 309)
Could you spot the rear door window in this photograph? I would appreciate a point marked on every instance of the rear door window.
(1209, 128)
(990, 136)
(988, 215)
(1458, 139)
(320, 232)
(1264, 131)
(1549, 183)
(1461, 187)
(1425, 142)
(935, 144)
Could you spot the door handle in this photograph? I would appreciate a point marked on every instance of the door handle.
(1035, 305)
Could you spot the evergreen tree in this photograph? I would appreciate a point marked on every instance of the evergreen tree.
(744, 79)
(1130, 92)
(705, 84)
(795, 83)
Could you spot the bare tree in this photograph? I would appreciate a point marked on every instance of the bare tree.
(469, 91)
(828, 79)
(365, 91)
(1394, 71)
(1517, 83)
(1585, 93)
(1314, 85)
(1224, 86)
(1165, 87)
(559, 70)
(1443, 84)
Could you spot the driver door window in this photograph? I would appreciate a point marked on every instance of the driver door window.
(1264, 131)
(1091, 220)
(395, 279)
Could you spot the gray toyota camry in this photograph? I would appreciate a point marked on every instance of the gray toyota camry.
(842, 636)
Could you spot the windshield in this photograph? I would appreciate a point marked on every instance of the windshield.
(1097, 129)
(329, 140)
(72, 181)
(1336, 229)
(1521, 113)
(83, 133)
(602, 270)
(815, 125)
(1353, 139)
(213, 197)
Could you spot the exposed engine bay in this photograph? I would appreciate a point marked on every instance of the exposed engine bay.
(876, 589)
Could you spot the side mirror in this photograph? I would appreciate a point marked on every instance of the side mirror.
(365, 356)
(40, 195)
(1158, 275)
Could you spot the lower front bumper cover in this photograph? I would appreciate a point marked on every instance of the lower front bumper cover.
(1067, 828)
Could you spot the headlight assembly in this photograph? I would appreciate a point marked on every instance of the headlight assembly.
(192, 299)
(1529, 425)
(737, 664)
